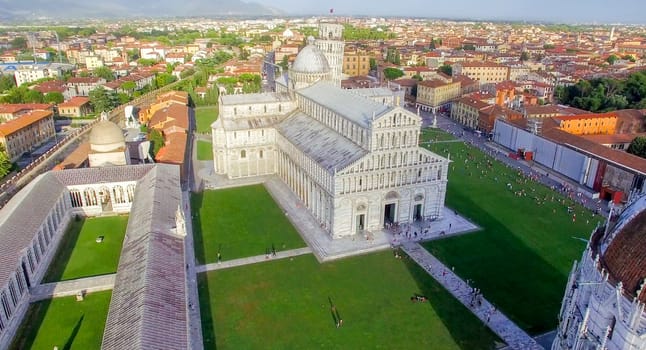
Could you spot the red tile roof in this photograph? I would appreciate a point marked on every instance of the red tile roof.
(18, 107)
(174, 149)
(625, 257)
(76, 101)
(15, 125)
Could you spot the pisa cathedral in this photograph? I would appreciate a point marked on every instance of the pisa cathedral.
(351, 156)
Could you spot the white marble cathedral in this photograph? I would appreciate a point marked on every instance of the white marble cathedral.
(605, 298)
(353, 162)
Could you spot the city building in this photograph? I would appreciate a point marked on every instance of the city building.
(484, 72)
(605, 297)
(9, 111)
(32, 72)
(26, 132)
(354, 162)
(466, 111)
(81, 86)
(356, 62)
(435, 94)
(588, 124)
(78, 106)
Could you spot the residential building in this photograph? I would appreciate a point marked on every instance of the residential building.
(78, 106)
(466, 111)
(81, 86)
(588, 124)
(93, 62)
(355, 62)
(30, 73)
(484, 72)
(26, 132)
(9, 111)
(434, 94)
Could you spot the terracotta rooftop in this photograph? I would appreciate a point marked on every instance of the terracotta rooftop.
(586, 116)
(473, 102)
(84, 80)
(174, 149)
(554, 109)
(435, 83)
(76, 101)
(18, 107)
(625, 257)
(14, 125)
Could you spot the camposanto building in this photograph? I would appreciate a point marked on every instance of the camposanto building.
(353, 162)
(605, 298)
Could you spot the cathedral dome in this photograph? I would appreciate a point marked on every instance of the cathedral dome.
(311, 60)
(288, 33)
(106, 136)
(624, 256)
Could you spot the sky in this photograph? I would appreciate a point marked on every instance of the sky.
(562, 11)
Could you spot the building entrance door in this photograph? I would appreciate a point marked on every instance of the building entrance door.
(360, 222)
(389, 213)
(417, 213)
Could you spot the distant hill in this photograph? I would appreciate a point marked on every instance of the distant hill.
(83, 9)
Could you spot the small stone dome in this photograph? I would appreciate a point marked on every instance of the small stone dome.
(625, 255)
(311, 60)
(106, 136)
(288, 33)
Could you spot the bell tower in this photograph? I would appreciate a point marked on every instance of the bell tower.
(331, 43)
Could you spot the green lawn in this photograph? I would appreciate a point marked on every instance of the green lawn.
(205, 116)
(64, 322)
(79, 255)
(431, 134)
(284, 304)
(523, 256)
(204, 150)
(240, 222)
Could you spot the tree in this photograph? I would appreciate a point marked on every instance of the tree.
(5, 163)
(524, 56)
(446, 69)
(284, 63)
(163, 79)
(6, 82)
(638, 147)
(469, 47)
(146, 62)
(54, 97)
(612, 59)
(103, 100)
(128, 86)
(156, 141)
(19, 43)
(33, 96)
(104, 72)
(392, 73)
(373, 63)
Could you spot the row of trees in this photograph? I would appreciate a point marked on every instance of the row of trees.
(606, 94)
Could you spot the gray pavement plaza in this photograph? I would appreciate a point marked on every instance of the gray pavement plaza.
(72, 287)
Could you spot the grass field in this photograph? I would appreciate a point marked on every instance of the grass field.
(64, 322)
(204, 150)
(284, 304)
(79, 255)
(240, 222)
(205, 116)
(522, 258)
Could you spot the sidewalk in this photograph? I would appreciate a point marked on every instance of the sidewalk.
(226, 264)
(194, 318)
(507, 330)
(72, 287)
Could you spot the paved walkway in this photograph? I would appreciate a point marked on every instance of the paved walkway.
(252, 260)
(507, 330)
(194, 319)
(72, 287)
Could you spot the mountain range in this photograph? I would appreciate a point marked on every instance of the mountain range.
(12, 10)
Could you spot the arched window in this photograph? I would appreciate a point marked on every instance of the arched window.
(90, 196)
(118, 194)
(260, 154)
(131, 192)
(75, 198)
(243, 154)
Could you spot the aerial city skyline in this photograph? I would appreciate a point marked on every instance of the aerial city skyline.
(322, 175)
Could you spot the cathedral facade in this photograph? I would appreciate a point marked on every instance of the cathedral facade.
(355, 163)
